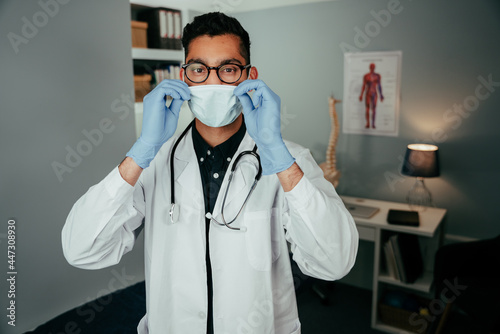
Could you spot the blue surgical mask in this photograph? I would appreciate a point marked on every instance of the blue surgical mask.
(214, 105)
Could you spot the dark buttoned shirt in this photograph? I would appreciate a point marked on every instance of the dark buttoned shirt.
(213, 162)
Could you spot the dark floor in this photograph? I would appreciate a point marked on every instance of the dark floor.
(347, 311)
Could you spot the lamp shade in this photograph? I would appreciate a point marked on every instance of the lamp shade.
(421, 160)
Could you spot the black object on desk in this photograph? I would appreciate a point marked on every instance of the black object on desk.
(403, 217)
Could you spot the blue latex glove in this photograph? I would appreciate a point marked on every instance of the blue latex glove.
(159, 121)
(263, 122)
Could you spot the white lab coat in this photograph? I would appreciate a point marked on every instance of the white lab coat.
(253, 288)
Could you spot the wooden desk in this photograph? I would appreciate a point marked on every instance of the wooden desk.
(377, 230)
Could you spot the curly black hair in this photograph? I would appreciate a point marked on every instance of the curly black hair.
(216, 24)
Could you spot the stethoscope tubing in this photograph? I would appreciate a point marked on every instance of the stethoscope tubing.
(253, 152)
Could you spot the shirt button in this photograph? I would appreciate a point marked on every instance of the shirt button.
(202, 315)
(202, 159)
(208, 152)
(229, 159)
(216, 175)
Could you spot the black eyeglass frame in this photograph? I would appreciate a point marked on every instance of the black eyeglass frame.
(217, 68)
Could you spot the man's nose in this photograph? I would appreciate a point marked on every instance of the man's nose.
(213, 78)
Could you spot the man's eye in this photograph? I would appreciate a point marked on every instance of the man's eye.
(198, 70)
(229, 69)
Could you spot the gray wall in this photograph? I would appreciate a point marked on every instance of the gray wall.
(72, 73)
(68, 77)
(446, 47)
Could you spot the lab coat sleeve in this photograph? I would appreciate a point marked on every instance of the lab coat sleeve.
(103, 224)
(321, 232)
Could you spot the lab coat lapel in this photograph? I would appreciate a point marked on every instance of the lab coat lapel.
(188, 192)
(187, 174)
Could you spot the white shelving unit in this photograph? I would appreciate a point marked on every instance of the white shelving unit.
(376, 230)
(161, 55)
(158, 54)
(422, 284)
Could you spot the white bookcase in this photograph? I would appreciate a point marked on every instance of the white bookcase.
(160, 56)
(376, 229)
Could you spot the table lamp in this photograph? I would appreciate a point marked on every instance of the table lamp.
(421, 160)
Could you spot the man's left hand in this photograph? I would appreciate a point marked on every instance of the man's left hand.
(262, 119)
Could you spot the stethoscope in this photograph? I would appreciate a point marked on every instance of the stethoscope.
(174, 209)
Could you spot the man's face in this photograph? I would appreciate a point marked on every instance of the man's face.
(216, 51)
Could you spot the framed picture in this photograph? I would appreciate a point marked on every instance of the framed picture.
(372, 93)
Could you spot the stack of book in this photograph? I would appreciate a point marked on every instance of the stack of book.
(403, 257)
(170, 72)
(164, 28)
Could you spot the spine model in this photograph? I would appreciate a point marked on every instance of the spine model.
(330, 166)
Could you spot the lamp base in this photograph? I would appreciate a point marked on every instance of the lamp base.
(419, 197)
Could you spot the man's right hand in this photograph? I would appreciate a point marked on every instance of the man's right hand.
(159, 122)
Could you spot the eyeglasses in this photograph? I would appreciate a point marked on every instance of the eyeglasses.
(227, 73)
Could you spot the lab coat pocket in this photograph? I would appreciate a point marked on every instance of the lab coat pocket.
(297, 328)
(262, 239)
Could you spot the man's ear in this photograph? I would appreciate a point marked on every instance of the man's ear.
(254, 74)
(182, 74)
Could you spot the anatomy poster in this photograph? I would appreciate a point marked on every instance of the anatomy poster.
(371, 93)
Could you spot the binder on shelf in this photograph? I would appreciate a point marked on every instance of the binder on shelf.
(407, 256)
(177, 30)
(164, 27)
(391, 261)
(170, 29)
(412, 256)
(398, 258)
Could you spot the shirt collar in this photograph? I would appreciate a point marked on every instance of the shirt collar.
(226, 149)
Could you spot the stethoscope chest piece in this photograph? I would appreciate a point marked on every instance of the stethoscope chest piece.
(174, 213)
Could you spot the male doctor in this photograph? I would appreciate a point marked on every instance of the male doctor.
(203, 276)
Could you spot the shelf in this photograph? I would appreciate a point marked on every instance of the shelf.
(422, 284)
(158, 54)
(390, 329)
(378, 230)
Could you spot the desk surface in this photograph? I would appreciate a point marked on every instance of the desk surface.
(429, 219)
